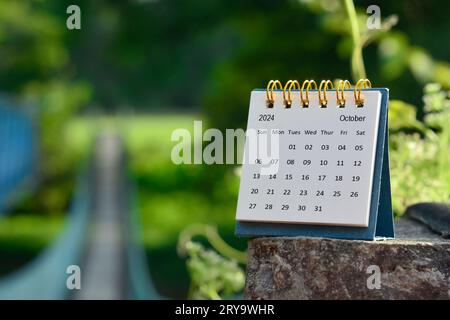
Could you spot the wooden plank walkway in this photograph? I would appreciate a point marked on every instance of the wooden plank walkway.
(103, 271)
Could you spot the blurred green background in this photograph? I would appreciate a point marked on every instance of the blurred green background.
(146, 68)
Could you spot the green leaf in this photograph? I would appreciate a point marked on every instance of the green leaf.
(402, 115)
(393, 52)
(421, 65)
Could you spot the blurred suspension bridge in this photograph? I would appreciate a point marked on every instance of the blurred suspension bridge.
(102, 235)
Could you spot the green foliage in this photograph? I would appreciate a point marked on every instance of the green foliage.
(54, 193)
(277, 40)
(58, 102)
(403, 115)
(419, 148)
(187, 52)
(437, 107)
(172, 197)
(212, 235)
(316, 39)
(420, 164)
(31, 229)
(211, 274)
(420, 151)
(31, 44)
(23, 237)
(36, 65)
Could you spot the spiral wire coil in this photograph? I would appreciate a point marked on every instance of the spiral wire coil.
(324, 86)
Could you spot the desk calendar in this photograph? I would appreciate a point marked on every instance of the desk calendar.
(316, 162)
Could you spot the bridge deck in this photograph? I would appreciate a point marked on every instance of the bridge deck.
(103, 271)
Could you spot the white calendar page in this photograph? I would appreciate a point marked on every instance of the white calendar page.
(321, 166)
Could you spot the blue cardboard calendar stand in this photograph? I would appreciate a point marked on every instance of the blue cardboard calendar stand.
(381, 224)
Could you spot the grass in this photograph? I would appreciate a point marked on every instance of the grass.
(78, 134)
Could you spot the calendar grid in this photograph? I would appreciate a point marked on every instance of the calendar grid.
(325, 162)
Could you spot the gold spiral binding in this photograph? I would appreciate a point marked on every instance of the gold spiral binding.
(308, 84)
(289, 85)
(340, 98)
(323, 92)
(287, 101)
(360, 85)
(273, 84)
